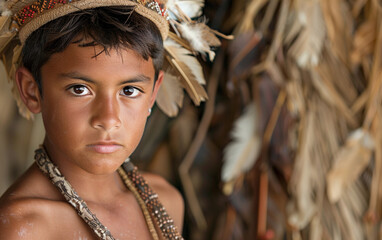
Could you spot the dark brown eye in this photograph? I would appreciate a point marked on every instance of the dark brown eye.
(79, 90)
(130, 92)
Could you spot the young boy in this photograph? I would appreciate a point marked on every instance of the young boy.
(93, 73)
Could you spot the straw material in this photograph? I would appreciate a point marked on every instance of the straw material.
(65, 9)
(327, 57)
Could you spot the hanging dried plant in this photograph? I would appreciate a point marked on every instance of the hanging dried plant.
(327, 55)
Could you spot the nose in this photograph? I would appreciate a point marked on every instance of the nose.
(105, 113)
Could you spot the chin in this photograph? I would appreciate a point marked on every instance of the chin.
(103, 165)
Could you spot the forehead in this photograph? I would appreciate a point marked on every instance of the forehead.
(94, 61)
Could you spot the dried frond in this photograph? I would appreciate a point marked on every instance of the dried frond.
(339, 23)
(5, 35)
(251, 10)
(302, 210)
(329, 93)
(364, 40)
(374, 212)
(296, 101)
(337, 74)
(182, 131)
(6, 101)
(327, 56)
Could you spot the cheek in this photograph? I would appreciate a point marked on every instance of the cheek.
(62, 120)
(134, 122)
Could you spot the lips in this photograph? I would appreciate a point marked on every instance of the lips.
(105, 147)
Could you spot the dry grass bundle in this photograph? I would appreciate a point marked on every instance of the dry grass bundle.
(327, 56)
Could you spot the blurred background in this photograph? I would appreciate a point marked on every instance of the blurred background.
(289, 145)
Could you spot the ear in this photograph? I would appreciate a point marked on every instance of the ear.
(158, 82)
(28, 90)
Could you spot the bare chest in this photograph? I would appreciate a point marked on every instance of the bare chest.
(125, 221)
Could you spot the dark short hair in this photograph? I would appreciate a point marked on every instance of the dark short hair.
(109, 27)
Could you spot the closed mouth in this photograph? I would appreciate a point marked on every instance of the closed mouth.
(105, 147)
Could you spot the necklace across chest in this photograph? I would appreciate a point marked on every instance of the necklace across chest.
(148, 200)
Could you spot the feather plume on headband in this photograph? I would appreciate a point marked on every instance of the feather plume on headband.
(186, 39)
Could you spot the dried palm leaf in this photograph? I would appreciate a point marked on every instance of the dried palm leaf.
(279, 32)
(296, 101)
(251, 11)
(316, 229)
(374, 214)
(364, 40)
(182, 131)
(5, 39)
(302, 210)
(6, 101)
(352, 207)
(328, 57)
(357, 7)
(329, 93)
(339, 23)
(4, 22)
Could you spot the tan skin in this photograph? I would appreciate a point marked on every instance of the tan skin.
(94, 112)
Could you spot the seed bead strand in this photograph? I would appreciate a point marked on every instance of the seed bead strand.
(31, 11)
(150, 198)
(141, 203)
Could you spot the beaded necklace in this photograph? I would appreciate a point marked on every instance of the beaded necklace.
(146, 197)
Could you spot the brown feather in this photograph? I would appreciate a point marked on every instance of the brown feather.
(170, 95)
(189, 70)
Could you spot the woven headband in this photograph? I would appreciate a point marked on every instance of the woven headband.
(19, 18)
(38, 13)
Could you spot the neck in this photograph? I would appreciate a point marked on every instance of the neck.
(91, 187)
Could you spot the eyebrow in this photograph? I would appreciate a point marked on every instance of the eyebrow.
(77, 75)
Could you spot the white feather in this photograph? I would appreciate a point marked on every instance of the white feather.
(192, 8)
(194, 35)
(241, 154)
(186, 56)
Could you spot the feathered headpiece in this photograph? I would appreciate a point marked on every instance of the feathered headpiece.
(186, 39)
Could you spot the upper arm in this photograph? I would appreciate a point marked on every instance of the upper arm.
(16, 223)
(170, 198)
(174, 204)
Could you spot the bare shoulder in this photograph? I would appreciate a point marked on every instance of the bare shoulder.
(20, 219)
(169, 196)
(29, 209)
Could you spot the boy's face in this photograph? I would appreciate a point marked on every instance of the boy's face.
(95, 108)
